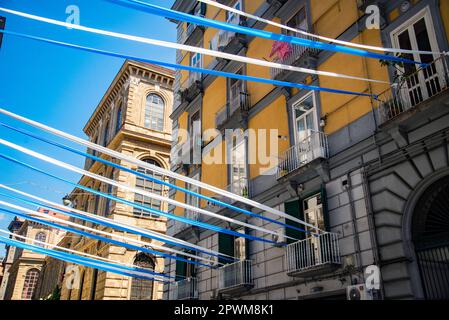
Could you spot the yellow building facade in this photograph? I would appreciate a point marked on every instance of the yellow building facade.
(309, 154)
(132, 118)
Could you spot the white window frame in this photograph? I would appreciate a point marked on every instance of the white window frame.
(313, 111)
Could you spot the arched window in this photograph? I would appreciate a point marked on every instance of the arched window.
(119, 118)
(150, 186)
(31, 278)
(154, 113)
(42, 237)
(111, 192)
(106, 134)
(142, 289)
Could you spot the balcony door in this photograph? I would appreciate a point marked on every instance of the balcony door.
(196, 61)
(193, 200)
(419, 34)
(308, 144)
(236, 90)
(239, 180)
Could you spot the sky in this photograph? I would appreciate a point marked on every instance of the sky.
(61, 87)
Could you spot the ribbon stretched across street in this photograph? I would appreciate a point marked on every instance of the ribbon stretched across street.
(308, 34)
(181, 16)
(174, 45)
(154, 168)
(142, 175)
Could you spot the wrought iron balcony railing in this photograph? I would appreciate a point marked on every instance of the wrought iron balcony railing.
(414, 89)
(240, 101)
(293, 53)
(313, 147)
(236, 276)
(186, 289)
(313, 254)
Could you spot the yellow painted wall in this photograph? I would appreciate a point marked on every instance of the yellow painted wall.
(213, 100)
(179, 196)
(273, 116)
(259, 49)
(343, 109)
(215, 174)
(444, 9)
(332, 17)
(251, 6)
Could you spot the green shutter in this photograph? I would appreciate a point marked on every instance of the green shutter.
(181, 270)
(225, 246)
(294, 209)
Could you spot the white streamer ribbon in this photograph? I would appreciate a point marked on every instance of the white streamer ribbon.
(305, 33)
(182, 47)
(132, 189)
(97, 231)
(158, 170)
(79, 253)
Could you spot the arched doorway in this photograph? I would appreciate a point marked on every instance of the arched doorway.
(142, 289)
(430, 236)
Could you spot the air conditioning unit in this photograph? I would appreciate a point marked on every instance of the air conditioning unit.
(359, 292)
(280, 239)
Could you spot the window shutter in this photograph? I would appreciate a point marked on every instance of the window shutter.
(294, 209)
(181, 269)
(225, 246)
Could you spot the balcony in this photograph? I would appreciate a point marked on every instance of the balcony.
(314, 147)
(190, 88)
(413, 90)
(192, 34)
(235, 278)
(228, 41)
(235, 113)
(186, 289)
(293, 55)
(313, 256)
(182, 229)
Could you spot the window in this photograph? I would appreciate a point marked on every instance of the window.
(150, 186)
(196, 61)
(418, 34)
(110, 191)
(311, 210)
(193, 200)
(142, 289)
(233, 246)
(154, 113)
(305, 122)
(106, 134)
(238, 174)
(31, 278)
(42, 237)
(119, 118)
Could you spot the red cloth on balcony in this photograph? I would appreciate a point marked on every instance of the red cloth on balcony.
(281, 49)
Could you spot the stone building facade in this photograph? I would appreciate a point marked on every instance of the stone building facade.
(132, 118)
(25, 267)
(372, 173)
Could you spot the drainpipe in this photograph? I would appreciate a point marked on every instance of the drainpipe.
(372, 226)
(348, 189)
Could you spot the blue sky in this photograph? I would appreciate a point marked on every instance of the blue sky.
(61, 87)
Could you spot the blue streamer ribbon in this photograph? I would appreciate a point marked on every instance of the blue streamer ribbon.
(89, 219)
(145, 208)
(91, 263)
(147, 177)
(181, 16)
(100, 238)
(192, 69)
